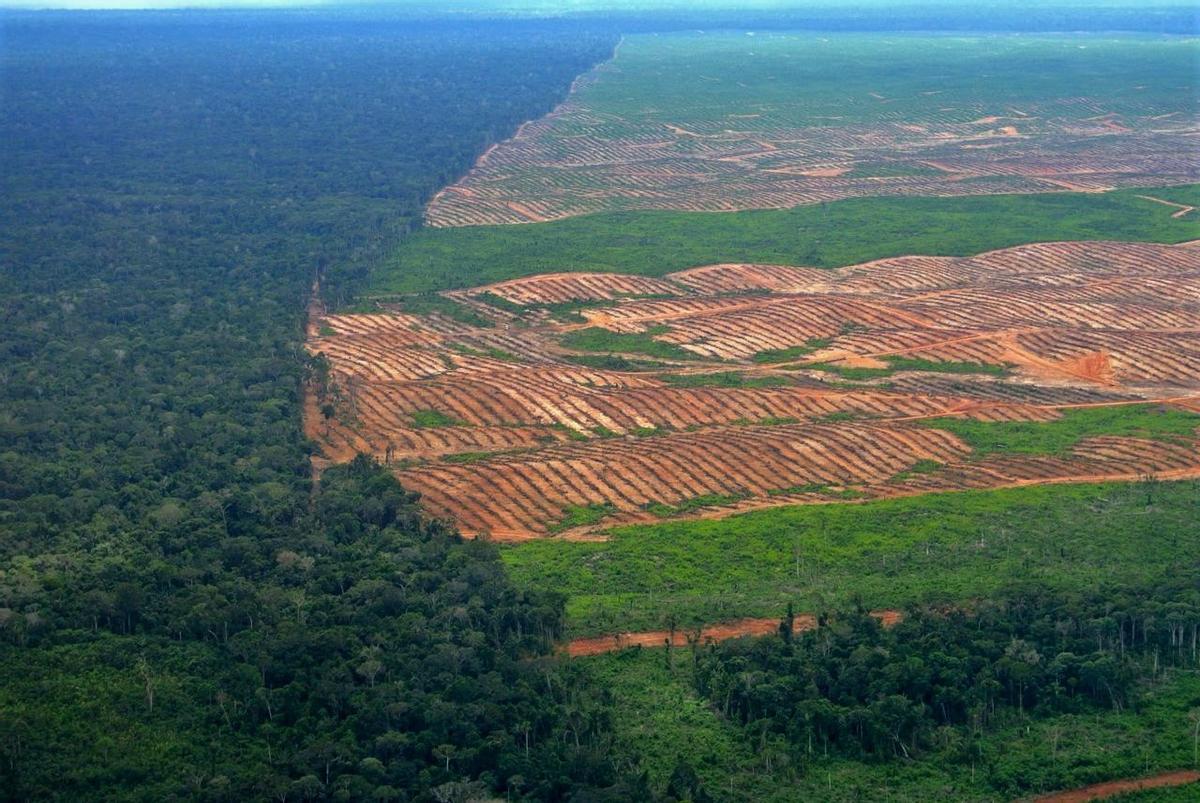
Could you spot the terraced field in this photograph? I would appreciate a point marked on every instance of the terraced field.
(598, 399)
(720, 122)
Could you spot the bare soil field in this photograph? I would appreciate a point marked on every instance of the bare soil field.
(732, 387)
(600, 152)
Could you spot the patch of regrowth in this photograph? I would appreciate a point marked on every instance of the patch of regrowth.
(500, 302)
(649, 432)
(810, 488)
(595, 338)
(475, 457)
(948, 367)
(889, 170)
(572, 434)
(434, 304)
(1149, 421)
(724, 379)
(429, 419)
(770, 421)
(792, 352)
(582, 516)
(847, 372)
(664, 511)
(613, 362)
(923, 466)
(488, 351)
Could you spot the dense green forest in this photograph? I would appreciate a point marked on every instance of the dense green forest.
(660, 714)
(941, 677)
(179, 617)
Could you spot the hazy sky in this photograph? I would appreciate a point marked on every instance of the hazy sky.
(564, 5)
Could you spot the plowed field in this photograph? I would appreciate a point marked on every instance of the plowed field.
(781, 384)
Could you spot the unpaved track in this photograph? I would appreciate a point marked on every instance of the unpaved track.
(1101, 791)
(717, 632)
(1183, 208)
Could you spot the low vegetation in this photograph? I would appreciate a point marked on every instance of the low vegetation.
(887, 553)
(595, 338)
(724, 379)
(945, 367)
(582, 516)
(691, 504)
(792, 353)
(1059, 436)
(434, 304)
(434, 418)
(823, 235)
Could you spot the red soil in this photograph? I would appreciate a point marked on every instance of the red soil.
(717, 632)
(532, 436)
(1108, 789)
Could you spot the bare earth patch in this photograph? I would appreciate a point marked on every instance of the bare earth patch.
(599, 645)
(734, 387)
(1101, 791)
(591, 156)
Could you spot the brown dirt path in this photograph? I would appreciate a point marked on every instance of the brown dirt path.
(717, 632)
(1100, 791)
(1183, 208)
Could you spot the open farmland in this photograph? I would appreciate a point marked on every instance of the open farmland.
(733, 121)
(601, 399)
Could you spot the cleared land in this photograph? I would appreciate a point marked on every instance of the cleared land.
(599, 645)
(729, 121)
(601, 399)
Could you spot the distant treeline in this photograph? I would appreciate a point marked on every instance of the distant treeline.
(1028, 16)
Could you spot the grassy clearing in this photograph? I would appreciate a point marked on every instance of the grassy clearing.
(476, 457)
(431, 303)
(595, 338)
(948, 367)
(660, 721)
(665, 511)
(844, 371)
(724, 379)
(613, 362)
(829, 235)
(582, 516)
(924, 466)
(902, 364)
(790, 353)
(889, 552)
(422, 419)
(1057, 437)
